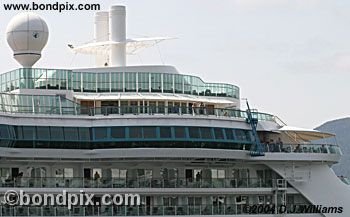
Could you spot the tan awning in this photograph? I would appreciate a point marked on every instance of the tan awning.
(304, 134)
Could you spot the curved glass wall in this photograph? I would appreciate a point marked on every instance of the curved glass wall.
(144, 137)
(113, 82)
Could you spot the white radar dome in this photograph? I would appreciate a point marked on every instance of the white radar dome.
(27, 34)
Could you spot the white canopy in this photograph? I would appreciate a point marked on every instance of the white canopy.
(304, 134)
(133, 45)
(154, 96)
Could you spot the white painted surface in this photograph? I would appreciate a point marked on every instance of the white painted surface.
(27, 34)
(323, 187)
(117, 29)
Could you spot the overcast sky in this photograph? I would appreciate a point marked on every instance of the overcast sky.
(289, 58)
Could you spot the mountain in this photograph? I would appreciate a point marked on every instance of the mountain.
(341, 128)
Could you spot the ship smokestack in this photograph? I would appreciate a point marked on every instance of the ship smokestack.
(101, 34)
(117, 28)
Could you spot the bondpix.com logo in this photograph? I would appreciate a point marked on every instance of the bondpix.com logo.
(21, 198)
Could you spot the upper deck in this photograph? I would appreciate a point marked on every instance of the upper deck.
(143, 79)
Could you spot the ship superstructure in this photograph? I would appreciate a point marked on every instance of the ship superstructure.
(182, 143)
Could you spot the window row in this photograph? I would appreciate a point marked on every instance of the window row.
(113, 82)
(44, 133)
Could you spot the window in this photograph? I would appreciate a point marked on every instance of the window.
(241, 135)
(84, 133)
(135, 132)
(4, 133)
(180, 132)
(206, 133)
(149, 132)
(56, 133)
(156, 83)
(229, 134)
(28, 133)
(43, 133)
(100, 133)
(130, 82)
(103, 82)
(118, 132)
(70, 133)
(143, 82)
(117, 82)
(118, 173)
(178, 83)
(194, 132)
(218, 133)
(165, 132)
(167, 83)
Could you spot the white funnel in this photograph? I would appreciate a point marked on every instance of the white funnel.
(117, 28)
(101, 34)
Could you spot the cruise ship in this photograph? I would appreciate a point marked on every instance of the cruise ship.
(183, 144)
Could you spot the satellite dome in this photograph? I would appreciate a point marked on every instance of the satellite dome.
(27, 34)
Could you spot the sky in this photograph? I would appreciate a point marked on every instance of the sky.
(290, 58)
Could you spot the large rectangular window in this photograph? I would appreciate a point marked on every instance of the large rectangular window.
(43, 133)
(103, 82)
(165, 132)
(118, 132)
(117, 81)
(84, 133)
(180, 132)
(143, 82)
(229, 134)
(149, 132)
(156, 82)
(130, 82)
(194, 132)
(218, 133)
(178, 83)
(70, 133)
(206, 133)
(89, 82)
(168, 83)
(100, 133)
(56, 133)
(28, 132)
(135, 132)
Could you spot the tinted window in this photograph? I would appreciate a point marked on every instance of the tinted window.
(149, 132)
(229, 134)
(43, 133)
(70, 133)
(194, 132)
(28, 132)
(165, 132)
(118, 132)
(135, 132)
(240, 135)
(218, 133)
(56, 133)
(84, 133)
(180, 132)
(4, 133)
(206, 133)
(19, 133)
(100, 133)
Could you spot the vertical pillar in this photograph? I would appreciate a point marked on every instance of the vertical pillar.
(117, 27)
(101, 34)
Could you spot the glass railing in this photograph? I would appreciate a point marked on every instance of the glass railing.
(153, 210)
(78, 182)
(97, 82)
(168, 110)
(58, 105)
(303, 148)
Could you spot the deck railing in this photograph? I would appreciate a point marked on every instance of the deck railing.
(109, 182)
(154, 210)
